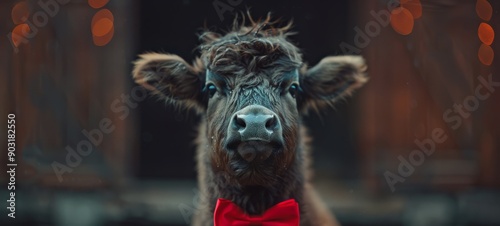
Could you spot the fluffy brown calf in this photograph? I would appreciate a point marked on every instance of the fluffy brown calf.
(250, 87)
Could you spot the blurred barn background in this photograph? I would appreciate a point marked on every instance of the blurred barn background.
(65, 70)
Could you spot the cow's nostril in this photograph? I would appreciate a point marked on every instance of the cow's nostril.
(271, 123)
(240, 121)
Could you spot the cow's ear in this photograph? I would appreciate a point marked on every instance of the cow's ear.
(171, 78)
(330, 80)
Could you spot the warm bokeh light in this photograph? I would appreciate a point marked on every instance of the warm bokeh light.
(484, 9)
(96, 4)
(20, 12)
(102, 27)
(402, 20)
(486, 33)
(486, 54)
(103, 13)
(18, 33)
(104, 40)
(414, 6)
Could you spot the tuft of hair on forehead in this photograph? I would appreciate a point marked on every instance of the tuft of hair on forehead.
(249, 46)
(263, 27)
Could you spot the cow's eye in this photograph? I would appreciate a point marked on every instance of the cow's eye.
(293, 90)
(211, 89)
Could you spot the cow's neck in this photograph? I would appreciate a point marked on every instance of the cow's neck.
(254, 200)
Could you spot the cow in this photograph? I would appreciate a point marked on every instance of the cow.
(250, 87)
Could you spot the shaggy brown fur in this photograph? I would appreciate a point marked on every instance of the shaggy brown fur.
(252, 65)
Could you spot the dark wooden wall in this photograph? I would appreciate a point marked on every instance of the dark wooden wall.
(60, 82)
(415, 79)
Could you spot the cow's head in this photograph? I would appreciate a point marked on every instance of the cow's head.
(251, 86)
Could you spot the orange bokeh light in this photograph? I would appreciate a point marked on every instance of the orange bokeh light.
(402, 21)
(18, 33)
(484, 9)
(102, 27)
(485, 54)
(486, 33)
(20, 12)
(104, 40)
(414, 6)
(96, 4)
(103, 13)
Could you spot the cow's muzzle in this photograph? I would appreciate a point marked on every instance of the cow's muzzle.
(254, 133)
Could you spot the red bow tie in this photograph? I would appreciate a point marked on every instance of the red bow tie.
(285, 213)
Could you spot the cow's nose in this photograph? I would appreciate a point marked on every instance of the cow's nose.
(256, 123)
(254, 133)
